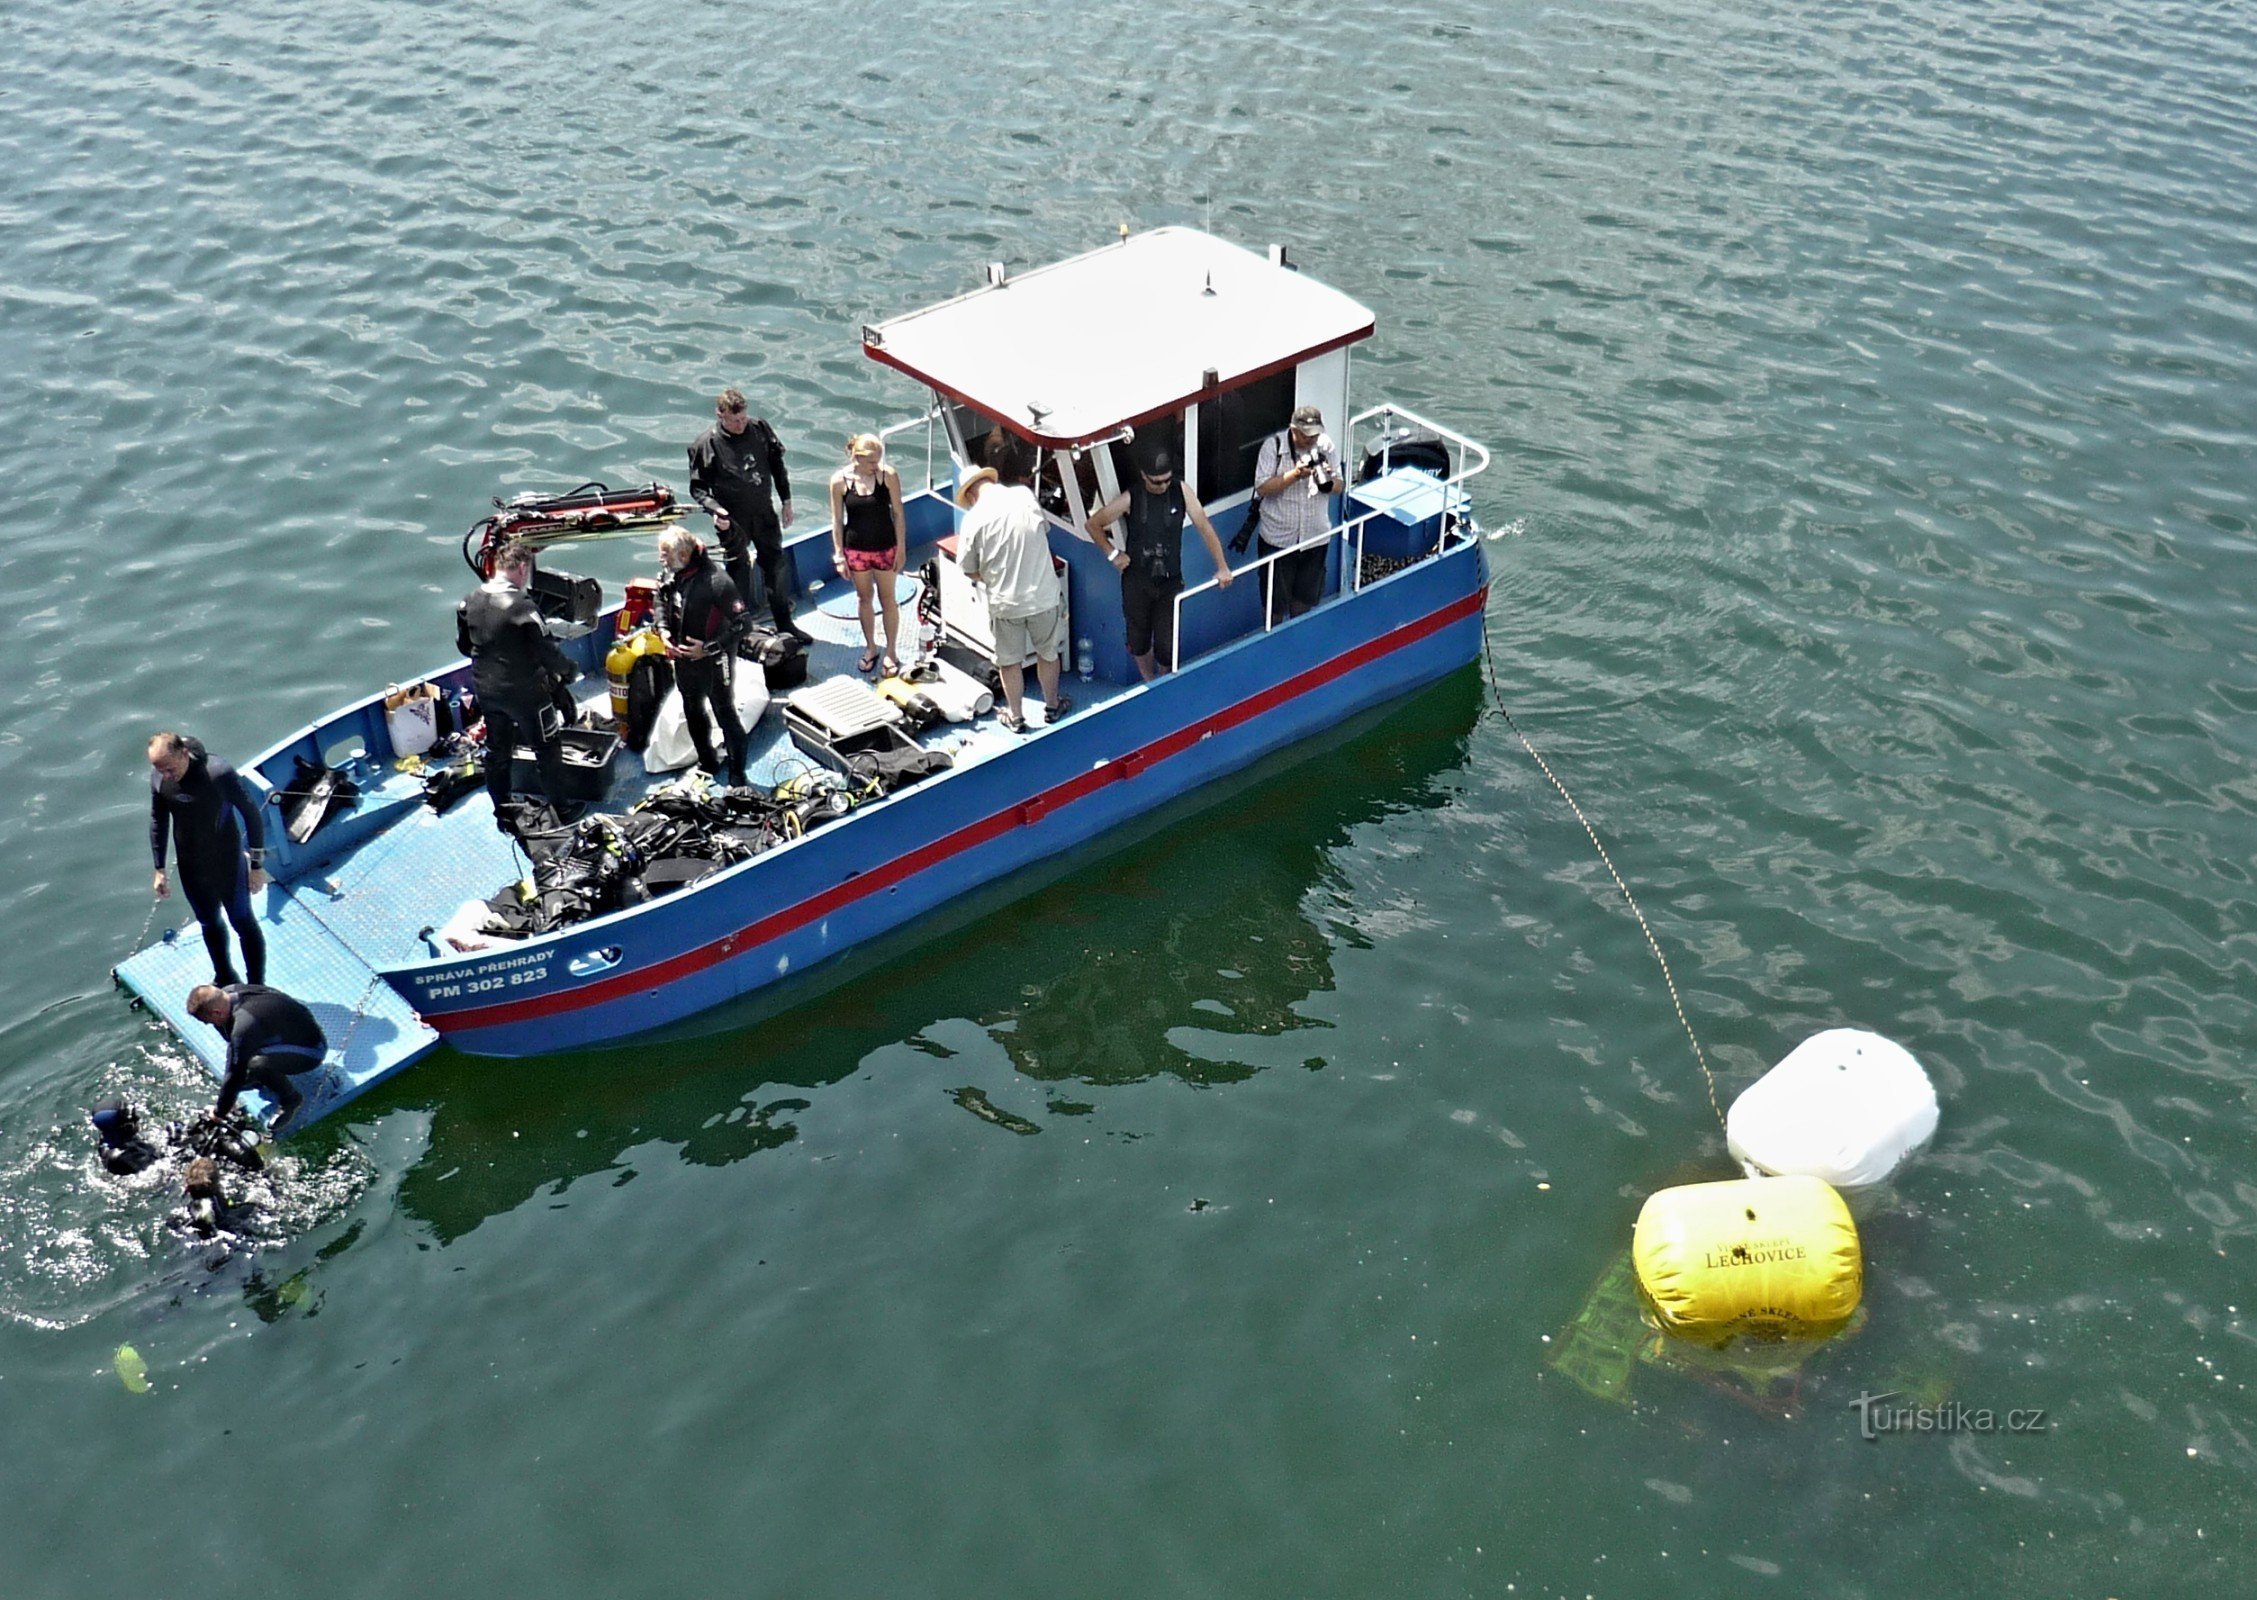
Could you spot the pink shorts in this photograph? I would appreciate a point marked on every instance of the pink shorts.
(869, 561)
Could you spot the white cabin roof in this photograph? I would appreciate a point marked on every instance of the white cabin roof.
(1066, 354)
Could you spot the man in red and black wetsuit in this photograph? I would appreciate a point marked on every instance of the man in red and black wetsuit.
(702, 616)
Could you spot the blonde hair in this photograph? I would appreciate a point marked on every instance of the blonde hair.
(679, 541)
(866, 441)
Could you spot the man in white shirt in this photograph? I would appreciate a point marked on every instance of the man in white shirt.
(1004, 547)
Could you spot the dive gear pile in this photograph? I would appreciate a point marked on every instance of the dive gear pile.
(672, 837)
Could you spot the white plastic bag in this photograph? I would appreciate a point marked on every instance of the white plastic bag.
(671, 748)
(466, 929)
(411, 718)
(1845, 1105)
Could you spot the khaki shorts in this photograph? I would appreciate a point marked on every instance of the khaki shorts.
(1042, 636)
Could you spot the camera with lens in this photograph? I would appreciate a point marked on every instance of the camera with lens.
(1321, 476)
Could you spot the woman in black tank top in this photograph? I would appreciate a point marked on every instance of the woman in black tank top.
(870, 541)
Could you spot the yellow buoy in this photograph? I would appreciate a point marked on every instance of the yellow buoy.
(1769, 1258)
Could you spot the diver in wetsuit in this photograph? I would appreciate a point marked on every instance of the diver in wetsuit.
(200, 803)
(702, 617)
(271, 1039)
(516, 668)
(123, 1150)
(733, 465)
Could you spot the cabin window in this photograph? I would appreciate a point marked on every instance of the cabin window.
(1232, 427)
(971, 429)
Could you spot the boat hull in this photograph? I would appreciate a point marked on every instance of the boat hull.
(916, 852)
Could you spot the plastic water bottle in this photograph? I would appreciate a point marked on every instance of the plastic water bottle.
(1085, 658)
(928, 637)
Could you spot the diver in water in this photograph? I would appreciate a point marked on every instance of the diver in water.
(123, 1150)
(271, 1040)
(205, 1212)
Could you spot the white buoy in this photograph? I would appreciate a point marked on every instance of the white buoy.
(1845, 1105)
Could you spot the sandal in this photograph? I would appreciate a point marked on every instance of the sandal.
(1058, 706)
(893, 666)
(869, 660)
(1014, 724)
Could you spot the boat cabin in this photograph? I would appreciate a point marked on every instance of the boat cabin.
(1169, 339)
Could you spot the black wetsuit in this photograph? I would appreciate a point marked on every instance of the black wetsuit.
(1152, 535)
(271, 1039)
(124, 1160)
(215, 831)
(700, 605)
(516, 669)
(733, 474)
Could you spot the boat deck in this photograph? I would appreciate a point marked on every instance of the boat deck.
(330, 929)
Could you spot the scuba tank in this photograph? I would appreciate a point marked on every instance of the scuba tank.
(619, 666)
(618, 663)
(915, 704)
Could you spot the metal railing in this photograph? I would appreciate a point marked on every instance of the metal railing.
(926, 422)
(1462, 452)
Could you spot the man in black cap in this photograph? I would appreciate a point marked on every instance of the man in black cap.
(1150, 561)
(516, 668)
(271, 1039)
(1295, 477)
(734, 465)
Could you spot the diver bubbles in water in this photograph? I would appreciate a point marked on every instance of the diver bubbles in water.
(96, 1213)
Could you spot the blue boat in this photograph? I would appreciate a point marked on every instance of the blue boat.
(1170, 336)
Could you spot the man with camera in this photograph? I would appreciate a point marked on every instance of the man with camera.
(1295, 477)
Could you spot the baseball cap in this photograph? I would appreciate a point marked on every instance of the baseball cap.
(1306, 419)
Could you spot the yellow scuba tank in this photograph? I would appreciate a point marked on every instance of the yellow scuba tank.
(618, 664)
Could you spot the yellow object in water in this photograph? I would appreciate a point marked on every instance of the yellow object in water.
(1770, 1258)
(133, 1372)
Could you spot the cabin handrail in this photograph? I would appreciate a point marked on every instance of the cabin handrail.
(926, 421)
(1353, 579)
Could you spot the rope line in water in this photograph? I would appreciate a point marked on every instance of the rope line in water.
(1497, 694)
(141, 938)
